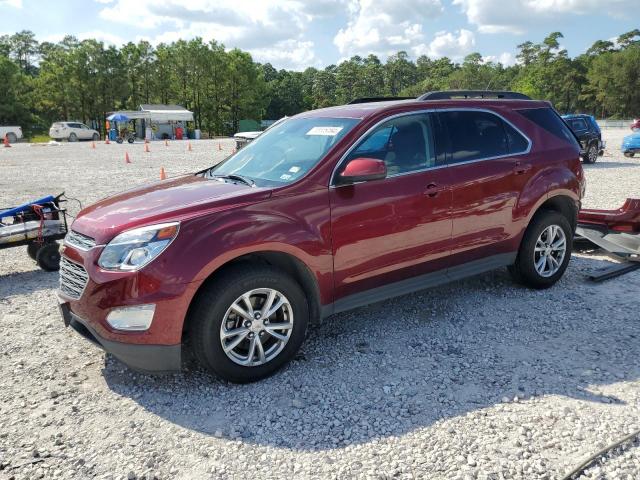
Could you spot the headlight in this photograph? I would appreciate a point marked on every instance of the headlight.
(133, 249)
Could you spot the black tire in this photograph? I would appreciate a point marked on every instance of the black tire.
(73, 137)
(628, 154)
(208, 313)
(119, 140)
(95, 137)
(591, 155)
(131, 139)
(12, 137)
(523, 270)
(48, 257)
(32, 250)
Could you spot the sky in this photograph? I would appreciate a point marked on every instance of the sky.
(296, 34)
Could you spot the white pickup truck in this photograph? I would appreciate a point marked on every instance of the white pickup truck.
(13, 134)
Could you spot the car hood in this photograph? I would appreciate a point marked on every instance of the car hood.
(164, 201)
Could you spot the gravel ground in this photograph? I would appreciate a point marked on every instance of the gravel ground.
(478, 380)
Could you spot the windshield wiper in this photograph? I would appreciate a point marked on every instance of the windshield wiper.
(240, 178)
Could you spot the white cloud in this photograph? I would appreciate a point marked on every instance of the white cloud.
(272, 30)
(385, 26)
(507, 59)
(11, 3)
(454, 45)
(514, 16)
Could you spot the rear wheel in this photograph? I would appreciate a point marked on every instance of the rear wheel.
(12, 137)
(591, 155)
(48, 257)
(545, 251)
(628, 154)
(248, 323)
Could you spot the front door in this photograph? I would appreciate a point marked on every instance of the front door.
(389, 230)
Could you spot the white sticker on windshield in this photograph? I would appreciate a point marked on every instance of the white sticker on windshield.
(325, 131)
(284, 176)
(294, 169)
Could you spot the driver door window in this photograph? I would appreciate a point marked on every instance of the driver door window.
(405, 144)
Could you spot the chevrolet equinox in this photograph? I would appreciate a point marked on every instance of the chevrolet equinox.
(330, 210)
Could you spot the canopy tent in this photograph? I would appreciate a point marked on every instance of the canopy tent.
(158, 121)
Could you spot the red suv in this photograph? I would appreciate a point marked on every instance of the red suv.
(330, 210)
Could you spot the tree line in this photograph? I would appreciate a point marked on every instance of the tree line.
(43, 82)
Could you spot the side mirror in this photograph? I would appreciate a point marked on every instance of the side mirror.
(362, 170)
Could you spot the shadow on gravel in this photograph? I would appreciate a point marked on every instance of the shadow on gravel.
(604, 164)
(22, 283)
(389, 369)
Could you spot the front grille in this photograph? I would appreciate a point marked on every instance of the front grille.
(80, 241)
(73, 279)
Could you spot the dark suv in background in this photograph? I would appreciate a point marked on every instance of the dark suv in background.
(588, 132)
(330, 210)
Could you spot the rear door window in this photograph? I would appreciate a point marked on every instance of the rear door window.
(474, 135)
(516, 141)
(577, 124)
(549, 120)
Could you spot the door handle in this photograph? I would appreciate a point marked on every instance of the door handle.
(521, 168)
(432, 190)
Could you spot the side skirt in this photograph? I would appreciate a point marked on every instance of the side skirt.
(421, 282)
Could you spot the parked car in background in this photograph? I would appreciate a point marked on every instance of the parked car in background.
(331, 210)
(631, 144)
(635, 125)
(72, 131)
(13, 134)
(588, 132)
(243, 138)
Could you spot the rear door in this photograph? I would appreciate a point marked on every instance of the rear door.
(488, 172)
(389, 230)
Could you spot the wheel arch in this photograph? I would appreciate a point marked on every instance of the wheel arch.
(286, 262)
(563, 204)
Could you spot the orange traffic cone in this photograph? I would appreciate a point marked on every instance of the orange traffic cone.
(93, 145)
(146, 148)
(6, 141)
(163, 175)
(189, 146)
(126, 157)
(219, 147)
(166, 142)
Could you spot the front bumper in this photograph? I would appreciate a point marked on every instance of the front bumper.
(142, 357)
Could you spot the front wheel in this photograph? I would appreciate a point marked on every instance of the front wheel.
(591, 155)
(544, 252)
(95, 137)
(248, 323)
(628, 154)
(12, 137)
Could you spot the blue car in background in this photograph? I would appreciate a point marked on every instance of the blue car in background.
(631, 144)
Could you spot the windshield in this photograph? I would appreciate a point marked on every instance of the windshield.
(285, 152)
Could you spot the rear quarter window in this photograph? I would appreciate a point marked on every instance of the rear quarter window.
(550, 121)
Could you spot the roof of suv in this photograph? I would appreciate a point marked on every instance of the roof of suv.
(364, 110)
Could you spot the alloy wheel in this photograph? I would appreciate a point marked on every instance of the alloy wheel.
(256, 327)
(550, 250)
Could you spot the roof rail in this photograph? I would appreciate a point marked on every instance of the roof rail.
(378, 99)
(451, 94)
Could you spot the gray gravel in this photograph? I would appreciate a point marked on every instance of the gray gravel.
(478, 380)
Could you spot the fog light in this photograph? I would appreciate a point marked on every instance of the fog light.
(134, 319)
